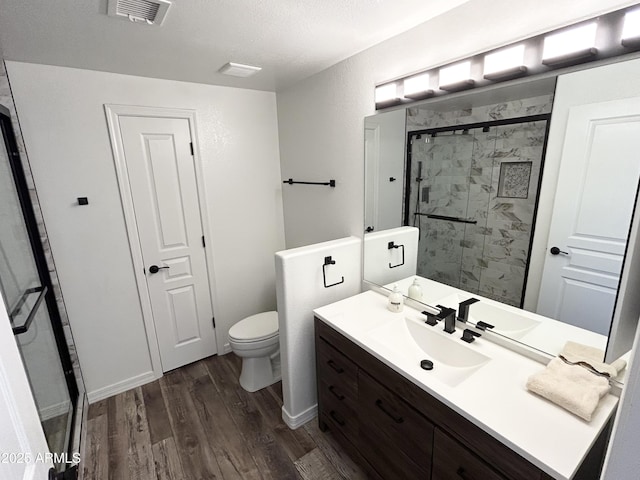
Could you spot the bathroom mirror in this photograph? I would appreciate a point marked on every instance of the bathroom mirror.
(466, 170)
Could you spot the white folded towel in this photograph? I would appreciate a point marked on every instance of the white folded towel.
(577, 352)
(572, 387)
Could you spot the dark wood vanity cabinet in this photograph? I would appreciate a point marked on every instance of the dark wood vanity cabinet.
(396, 430)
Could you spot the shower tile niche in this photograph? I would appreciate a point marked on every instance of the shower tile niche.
(473, 194)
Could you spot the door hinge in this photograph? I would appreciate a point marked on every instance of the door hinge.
(213, 319)
(203, 242)
(191, 147)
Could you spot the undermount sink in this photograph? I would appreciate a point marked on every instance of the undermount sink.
(453, 360)
(504, 321)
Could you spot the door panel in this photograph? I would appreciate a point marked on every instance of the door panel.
(184, 314)
(164, 190)
(596, 192)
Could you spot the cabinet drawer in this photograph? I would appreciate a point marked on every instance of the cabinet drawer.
(406, 429)
(336, 369)
(328, 392)
(337, 415)
(452, 461)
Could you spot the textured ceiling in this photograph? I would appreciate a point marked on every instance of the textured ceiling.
(290, 39)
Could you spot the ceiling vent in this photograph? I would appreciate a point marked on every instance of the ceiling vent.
(151, 12)
(239, 69)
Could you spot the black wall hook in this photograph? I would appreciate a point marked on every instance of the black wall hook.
(329, 261)
(393, 245)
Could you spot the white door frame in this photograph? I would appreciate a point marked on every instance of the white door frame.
(113, 113)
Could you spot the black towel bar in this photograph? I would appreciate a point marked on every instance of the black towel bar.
(291, 181)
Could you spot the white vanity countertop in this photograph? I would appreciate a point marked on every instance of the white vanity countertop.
(494, 397)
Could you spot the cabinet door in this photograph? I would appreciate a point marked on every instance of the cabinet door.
(451, 461)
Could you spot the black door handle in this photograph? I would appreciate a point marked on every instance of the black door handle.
(155, 268)
(556, 251)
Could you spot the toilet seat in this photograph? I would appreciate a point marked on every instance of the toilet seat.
(262, 326)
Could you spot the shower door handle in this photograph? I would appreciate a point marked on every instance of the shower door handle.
(32, 314)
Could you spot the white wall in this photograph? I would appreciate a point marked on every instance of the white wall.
(321, 118)
(301, 289)
(62, 116)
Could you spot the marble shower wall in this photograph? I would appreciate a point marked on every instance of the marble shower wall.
(462, 178)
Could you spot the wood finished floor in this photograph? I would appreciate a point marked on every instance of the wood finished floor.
(196, 423)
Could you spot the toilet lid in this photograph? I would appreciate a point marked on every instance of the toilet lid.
(256, 327)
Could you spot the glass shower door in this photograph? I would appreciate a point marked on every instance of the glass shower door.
(439, 201)
(28, 298)
(473, 192)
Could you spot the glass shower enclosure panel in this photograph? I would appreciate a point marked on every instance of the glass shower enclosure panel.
(472, 192)
(28, 298)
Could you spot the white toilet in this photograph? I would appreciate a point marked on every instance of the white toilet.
(257, 341)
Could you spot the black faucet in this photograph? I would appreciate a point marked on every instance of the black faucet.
(463, 309)
(449, 316)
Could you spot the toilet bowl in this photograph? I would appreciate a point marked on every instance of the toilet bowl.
(256, 340)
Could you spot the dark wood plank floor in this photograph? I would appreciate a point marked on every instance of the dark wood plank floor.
(196, 423)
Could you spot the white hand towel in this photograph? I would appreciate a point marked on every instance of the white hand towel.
(577, 352)
(572, 387)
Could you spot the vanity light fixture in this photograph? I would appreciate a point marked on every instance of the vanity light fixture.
(387, 94)
(417, 87)
(570, 45)
(456, 77)
(631, 29)
(239, 69)
(504, 64)
(567, 46)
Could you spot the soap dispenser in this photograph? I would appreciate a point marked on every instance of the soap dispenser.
(415, 290)
(395, 300)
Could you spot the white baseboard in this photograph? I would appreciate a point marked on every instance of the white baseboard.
(294, 422)
(226, 348)
(123, 386)
(53, 411)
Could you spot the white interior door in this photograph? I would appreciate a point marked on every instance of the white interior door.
(371, 168)
(164, 190)
(596, 192)
(23, 447)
